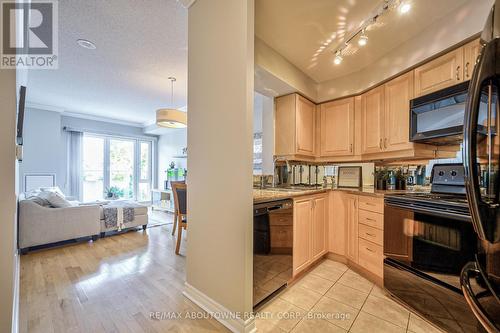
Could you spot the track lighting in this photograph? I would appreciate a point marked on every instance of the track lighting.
(338, 58)
(363, 39)
(404, 7)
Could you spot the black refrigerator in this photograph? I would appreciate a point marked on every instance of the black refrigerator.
(480, 279)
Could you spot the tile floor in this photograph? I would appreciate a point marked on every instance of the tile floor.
(333, 298)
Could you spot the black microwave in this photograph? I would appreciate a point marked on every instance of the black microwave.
(438, 118)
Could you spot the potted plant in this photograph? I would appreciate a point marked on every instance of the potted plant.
(400, 180)
(113, 192)
(382, 178)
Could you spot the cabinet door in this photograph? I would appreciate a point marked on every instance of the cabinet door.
(471, 52)
(319, 227)
(372, 119)
(302, 217)
(352, 228)
(305, 126)
(337, 128)
(398, 93)
(338, 222)
(439, 73)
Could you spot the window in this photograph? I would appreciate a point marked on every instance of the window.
(122, 166)
(257, 153)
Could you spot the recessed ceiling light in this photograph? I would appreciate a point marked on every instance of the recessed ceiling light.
(404, 8)
(86, 44)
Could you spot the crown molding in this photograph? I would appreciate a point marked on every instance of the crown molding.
(103, 119)
(186, 3)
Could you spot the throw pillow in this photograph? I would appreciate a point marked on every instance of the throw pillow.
(54, 189)
(55, 199)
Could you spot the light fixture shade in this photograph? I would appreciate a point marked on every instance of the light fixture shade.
(171, 118)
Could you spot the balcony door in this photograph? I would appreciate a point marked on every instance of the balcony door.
(120, 165)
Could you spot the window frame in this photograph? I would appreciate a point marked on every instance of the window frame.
(137, 160)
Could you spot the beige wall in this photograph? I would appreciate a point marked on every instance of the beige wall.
(274, 63)
(9, 261)
(220, 83)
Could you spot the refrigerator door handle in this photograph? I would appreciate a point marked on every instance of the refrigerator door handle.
(484, 72)
(470, 270)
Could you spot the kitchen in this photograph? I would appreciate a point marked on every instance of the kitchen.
(381, 182)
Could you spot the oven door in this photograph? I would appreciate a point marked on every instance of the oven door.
(424, 255)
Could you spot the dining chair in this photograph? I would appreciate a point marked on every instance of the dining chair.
(180, 201)
(172, 183)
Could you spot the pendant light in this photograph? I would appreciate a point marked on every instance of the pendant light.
(171, 118)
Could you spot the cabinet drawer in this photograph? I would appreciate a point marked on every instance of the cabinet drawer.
(374, 220)
(281, 218)
(371, 234)
(371, 204)
(281, 236)
(371, 257)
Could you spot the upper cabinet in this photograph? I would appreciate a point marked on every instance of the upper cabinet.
(398, 94)
(372, 121)
(471, 53)
(337, 128)
(439, 73)
(295, 121)
(447, 70)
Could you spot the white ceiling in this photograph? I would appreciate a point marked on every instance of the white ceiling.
(139, 45)
(298, 28)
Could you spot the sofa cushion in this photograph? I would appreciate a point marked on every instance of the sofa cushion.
(39, 201)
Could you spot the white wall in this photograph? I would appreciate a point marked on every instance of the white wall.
(45, 142)
(9, 260)
(170, 145)
(220, 84)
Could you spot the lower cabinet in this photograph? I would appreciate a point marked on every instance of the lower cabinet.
(357, 224)
(310, 223)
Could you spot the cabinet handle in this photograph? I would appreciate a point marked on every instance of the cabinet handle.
(467, 69)
(350, 147)
(385, 143)
(380, 144)
(369, 219)
(372, 235)
(458, 73)
(370, 249)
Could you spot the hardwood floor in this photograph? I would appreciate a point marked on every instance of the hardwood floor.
(116, 284)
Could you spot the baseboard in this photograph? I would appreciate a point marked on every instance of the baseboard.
(17, 282)
(237, 325)
(337, 257)
(357, 268)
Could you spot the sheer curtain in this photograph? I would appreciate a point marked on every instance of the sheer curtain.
(75, 147)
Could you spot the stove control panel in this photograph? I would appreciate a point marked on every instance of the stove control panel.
(448, 178)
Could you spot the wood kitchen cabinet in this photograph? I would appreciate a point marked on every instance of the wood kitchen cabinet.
(471, 53)
(295, 121)
(352, 227)
(337, 128)
(310, 223)
(372, 121)
(440, 73)
(398, 93)
(319, 227)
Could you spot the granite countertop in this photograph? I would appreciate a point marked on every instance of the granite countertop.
(270, 194)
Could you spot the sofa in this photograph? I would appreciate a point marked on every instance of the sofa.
(46, 219)
(40, 225)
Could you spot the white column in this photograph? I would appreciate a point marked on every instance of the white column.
(220, 97)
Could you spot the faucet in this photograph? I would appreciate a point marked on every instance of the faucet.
(288, 168)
